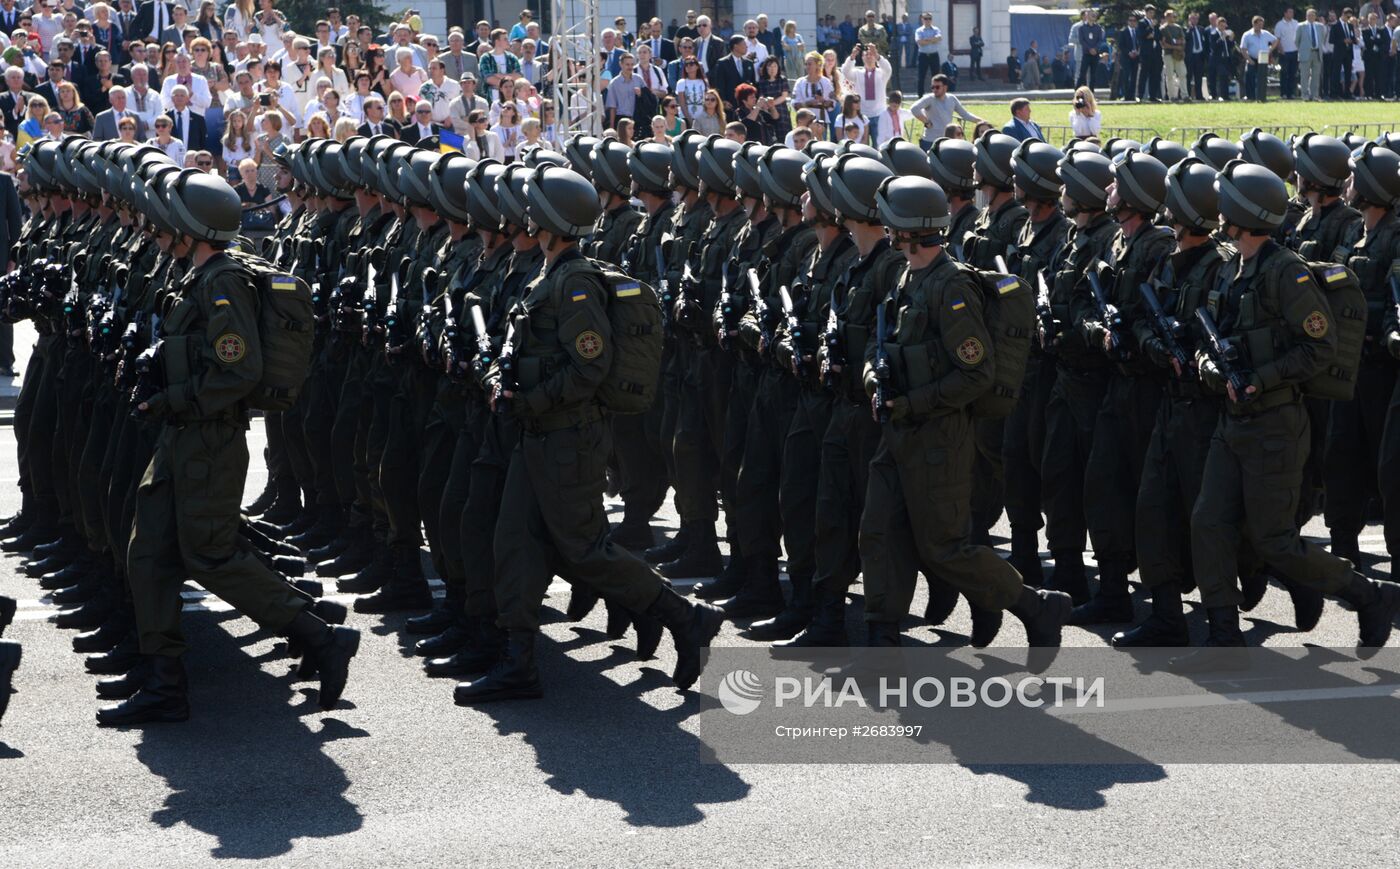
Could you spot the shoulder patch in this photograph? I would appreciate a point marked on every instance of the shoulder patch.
(230, 348)
(971, 351)
(627, 290)
(958, 304)
(1006, 284)
(283, 283)
(589, 344)
(579, 295)
(1335, 273)
(220, 300)
(1315, 325)
(1303, 277)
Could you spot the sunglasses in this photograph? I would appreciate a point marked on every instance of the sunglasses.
(423, 112)
(205, 164)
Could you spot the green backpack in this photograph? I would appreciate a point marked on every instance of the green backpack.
(634, 312)
(1008, 306)
(1337, 381)
(286, 330)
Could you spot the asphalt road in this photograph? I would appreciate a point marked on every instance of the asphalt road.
(606, 770)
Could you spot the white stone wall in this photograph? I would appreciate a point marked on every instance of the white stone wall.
(434, 15)
(804, 12)
(996, 29)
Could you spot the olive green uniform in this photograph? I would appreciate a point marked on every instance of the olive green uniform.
(694, 487)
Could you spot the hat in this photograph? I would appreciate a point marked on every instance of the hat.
(468, 76)
(255, 39)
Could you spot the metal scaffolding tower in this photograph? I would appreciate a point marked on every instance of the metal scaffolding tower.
(574, 58)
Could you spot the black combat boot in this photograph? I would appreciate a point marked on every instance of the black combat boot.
(330, 519)
(443, 616)
(582, 600)
(1376, 603)
(70, 575)
(1165, 628)
(329, 648)
(635, 537)
(61, 544)
(8, 607)
(701, 557)
(264, 501)
(14, 525)
(692, 625)
(942, 600)
(42, 531)
(117, 660)
(1307, 605)
(286, 507)
(669, 550)
(761, 596)
(76, 594)
(882, 635)
(373, 575)
(619, 620)
(333, 548)
(1044, 614)
(163, 698)
(310, 512)
(986, 624)
(1025, 556)
(52, 563)
(287, 565)
(109, 634)
(86, 616)
(1112, 605)
(649, 632)
(485, 645)
(451, 639)
(356, 557)
(1214, 654)
(794, 617)
(827, 629)
(10, 655)
(729, 582)
(1253, 586)
(124, 685)
(1069, 576)
(513, 677)
(1346, 545)
(405, 590)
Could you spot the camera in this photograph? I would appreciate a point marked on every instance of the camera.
(1079, 103)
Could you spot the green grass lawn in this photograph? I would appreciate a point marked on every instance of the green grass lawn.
(1228, 119)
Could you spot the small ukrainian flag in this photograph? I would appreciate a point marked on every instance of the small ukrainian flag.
(450, 142)
(579, 295)
(220, 300)
(959, 305)
(1006, 284)
(626, 291)
(284, 284)
(1336, 273)
(1303, 278)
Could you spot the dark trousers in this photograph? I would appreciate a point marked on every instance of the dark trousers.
(1150, 78)
(1256, 82)
(1195, 73)
(1288, 76)
(929, 64)
(7, 345)
(1329, 76)
(1087, 69)
(1373, 77)
(1127, 79)
(976, 68)
(1220, 75)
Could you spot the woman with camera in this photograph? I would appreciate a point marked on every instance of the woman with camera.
(1084, 118)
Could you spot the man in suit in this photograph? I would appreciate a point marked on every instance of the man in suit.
(189, 124)
(732, 71)
(175, 33)
(1021, 127)
(1127, 52)
(10, 220)
(662, 49)
(14, 102)
(375, 123)
(152, 18)
(708, 47)
(675, 70)
(1342, 37)
(1312, 35)
(105, 125)
(9, 16)
(49, 89)
(1150, 56)
(1089, 42)
(1197, 54)
(422, 133)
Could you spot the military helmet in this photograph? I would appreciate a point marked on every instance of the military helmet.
(1141, 181)
(1353, 140)
(482, 204)
(820, 146)
(1169, 152)
(91, 179)
(39, 164)
(579, 150)
(1086, 175)
(993, 163)
(1192, 200)
(415, 176)
(951, 161)
(1267, 150)
(1251, 197)
(780, 176)
(447, 186)
(204, 207)
(64, 173)
(369, 161)
(1375, 175)
(609, 163)
(905, 158)
(282, 153)
(561, 201)
(510, 195)
(816, 175)
(746, 169)
(148, 195)
(1323, 161)
(1389, 139)
(538, 155)
(309, 155)
(913, 205)
(1083, 145)
(1215, 151)
(858, 148)
(717, 165)
(854, 180)
(351, 160)
(1114, 145)
(650, 165)
(685, 159)
(1035, 168)
(388, 169)
(333, 169)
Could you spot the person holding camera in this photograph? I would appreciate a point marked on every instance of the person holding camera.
(1085, 119)
(870, 83)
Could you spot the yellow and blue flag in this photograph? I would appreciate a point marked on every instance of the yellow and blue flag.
(449, 142)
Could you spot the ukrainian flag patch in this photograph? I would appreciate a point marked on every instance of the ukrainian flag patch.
(1336, 273)
(578, 295)
(626, 291)
(220, 300)
(959, 305)
(1006, 285)
(1303, 278)
(284, 283)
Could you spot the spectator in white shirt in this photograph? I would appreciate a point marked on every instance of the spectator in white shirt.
(439, 90)
(757, 50)
(868, 83)
(480, 142)
(814, 90)
(468, 101)
(1085, 119)
(507, 97)
(141, 100)
(892, 120)
(195, 84)
(283, 99)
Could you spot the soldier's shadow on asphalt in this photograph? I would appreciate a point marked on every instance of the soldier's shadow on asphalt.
(601, 739)
(246, 768)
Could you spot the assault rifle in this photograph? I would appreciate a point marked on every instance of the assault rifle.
(1226, 356)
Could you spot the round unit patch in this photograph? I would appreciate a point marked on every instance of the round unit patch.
(971, 351)
(1315, 325)
(589, 344)
(230, 348)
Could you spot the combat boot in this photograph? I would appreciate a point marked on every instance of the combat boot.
(1376, 602)
(373, 575)
(86, 616)
(266, 539)
(668, 550)
(76, 594)
(730, 581)
(1069, 576)
(14, 524)
(42, 531)
(827, 629)
(794, 617)
(163, 698)
(1253, 586)
(882, 635)
(761, 596)
(356, 557)
(1112, 605)
(986, 624)
(619, 620)
(1307, 605)
(264, 501)
(446, 642)
(37, 567)
(405, 590)
(329, 520)
(1166, 627)
(634, 537)
(310, 512)
(70, 575)
(1025, 556)
(942, 600)
(124, 685)
(108, 635)
(332, 549)
(330, 649)
(10, 655)
(287, 565)
(582, 600)
(1348, 546)
(441, 618)
(513, 677)
(701, 557)
(484, 647)
(58, 545)
(116, 660)
(8, 607)
(1215, 655)
(1044, 614)
(692, 625)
